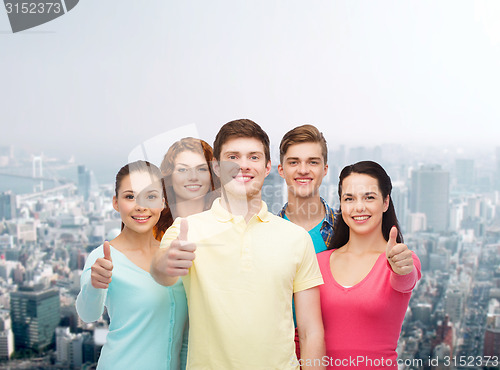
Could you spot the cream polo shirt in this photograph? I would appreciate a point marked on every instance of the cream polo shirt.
(240, 288)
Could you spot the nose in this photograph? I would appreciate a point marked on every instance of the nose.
(360, 205)
(139, 206)
(303, 169)
(192, 174)
(243, 163)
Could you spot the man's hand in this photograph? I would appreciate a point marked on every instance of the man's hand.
(174, 261)
(180, 255)
(102, 268)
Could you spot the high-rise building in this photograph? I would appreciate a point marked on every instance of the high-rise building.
(454, 301)
(464, 172)
(35, 316)
(6, 336)
(7, 206)
(400, 200)
(492, 342)
(84, 181)
(430, 195)
(69, 348)
(492, 332)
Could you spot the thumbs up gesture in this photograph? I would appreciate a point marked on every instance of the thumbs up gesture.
(180, 255)
(102, 269)
(398, 255)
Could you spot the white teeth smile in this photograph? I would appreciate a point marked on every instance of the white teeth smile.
(140, 218)
(193, 186)
(361, 218)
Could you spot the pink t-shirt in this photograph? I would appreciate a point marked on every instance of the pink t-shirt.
(362, 323)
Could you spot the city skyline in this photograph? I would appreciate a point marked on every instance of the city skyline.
(403, 83)
(364, 73)
(46, 238)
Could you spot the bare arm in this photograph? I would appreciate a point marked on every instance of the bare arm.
(310, 326)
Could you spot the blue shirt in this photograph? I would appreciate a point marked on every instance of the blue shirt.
(148, 322)
(322, 233)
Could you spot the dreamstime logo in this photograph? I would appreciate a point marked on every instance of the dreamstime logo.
(25, 14)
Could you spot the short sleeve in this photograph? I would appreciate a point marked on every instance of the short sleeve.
(171, 233)
(308, 272)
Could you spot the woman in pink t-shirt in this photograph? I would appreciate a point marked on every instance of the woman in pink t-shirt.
(368, 273)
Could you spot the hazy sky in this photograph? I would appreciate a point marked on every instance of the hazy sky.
(107, 76)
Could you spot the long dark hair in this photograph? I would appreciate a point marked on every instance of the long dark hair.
(167, 168)
(389, 219)
(137, 166)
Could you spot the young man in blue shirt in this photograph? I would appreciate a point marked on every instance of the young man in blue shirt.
(303, 165)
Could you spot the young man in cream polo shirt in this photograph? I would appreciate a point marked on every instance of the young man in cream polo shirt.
(241, 265)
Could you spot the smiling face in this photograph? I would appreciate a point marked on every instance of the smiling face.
(191, 176)
(362, 203)
(303, 169)
(243, 167)
(139, 201)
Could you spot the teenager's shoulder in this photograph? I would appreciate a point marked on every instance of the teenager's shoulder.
(325, 255)
(284, 224)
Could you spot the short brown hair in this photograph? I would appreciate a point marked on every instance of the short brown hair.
(303, 134)
(241, 128)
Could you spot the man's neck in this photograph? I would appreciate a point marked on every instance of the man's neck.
(305, 212)
(246, 207)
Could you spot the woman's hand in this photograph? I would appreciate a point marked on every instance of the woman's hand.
(102, 269)
(398, 255)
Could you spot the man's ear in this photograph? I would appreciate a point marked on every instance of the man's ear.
(280, 170)
(216, 167)
(268, 168)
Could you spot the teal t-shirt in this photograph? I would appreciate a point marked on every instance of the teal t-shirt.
(317, 238)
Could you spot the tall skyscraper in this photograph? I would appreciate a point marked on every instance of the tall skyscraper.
(35, 316)
(465, 174)
(6, 336)
(7, 206)
(84, 181)
(430, 195)
(69, 348)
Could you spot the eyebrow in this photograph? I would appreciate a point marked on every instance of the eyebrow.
(145, 190)
(239, 153)
(297, 158)
(187, 165)
(367, 193)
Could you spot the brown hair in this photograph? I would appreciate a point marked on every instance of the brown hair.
(167, 168)
(138, 166)
(303, 134)
(241, 128)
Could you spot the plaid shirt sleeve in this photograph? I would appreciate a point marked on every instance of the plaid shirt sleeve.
(326, 229)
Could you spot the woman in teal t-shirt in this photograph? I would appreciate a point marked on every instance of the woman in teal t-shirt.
(148, 322)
